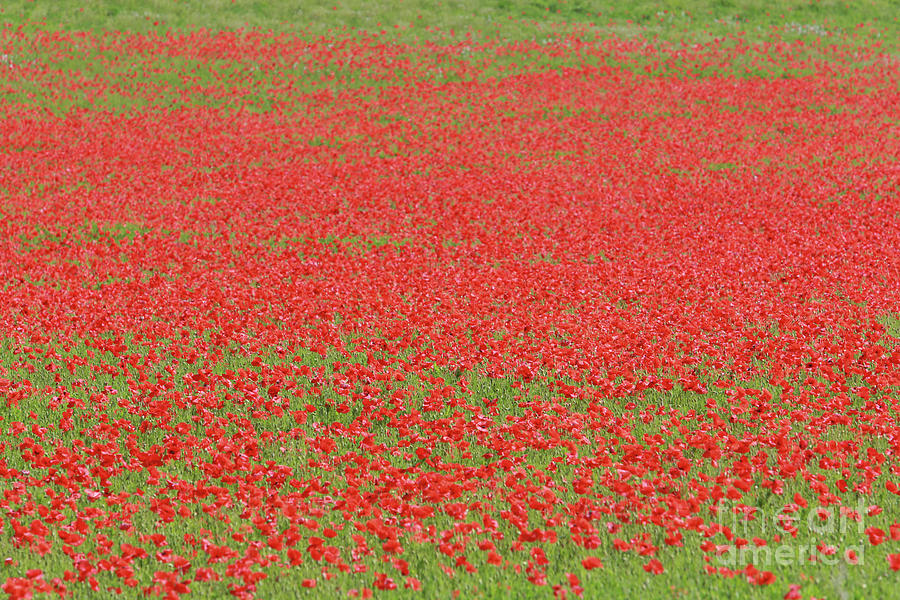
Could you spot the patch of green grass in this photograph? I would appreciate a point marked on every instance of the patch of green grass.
(891, 322)
(511, 19)
(42, 238)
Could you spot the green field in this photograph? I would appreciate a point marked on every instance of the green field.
(510, 19)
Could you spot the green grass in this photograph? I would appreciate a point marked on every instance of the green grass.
(511, 19)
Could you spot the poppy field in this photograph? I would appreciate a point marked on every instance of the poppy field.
(348, 315)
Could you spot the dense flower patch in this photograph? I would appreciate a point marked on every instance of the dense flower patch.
(356, 315)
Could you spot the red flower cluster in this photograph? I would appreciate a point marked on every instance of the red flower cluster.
(278, 306)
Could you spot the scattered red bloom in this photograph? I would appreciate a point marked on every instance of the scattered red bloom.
(654, 566)
(894, 561)
(591, 562)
